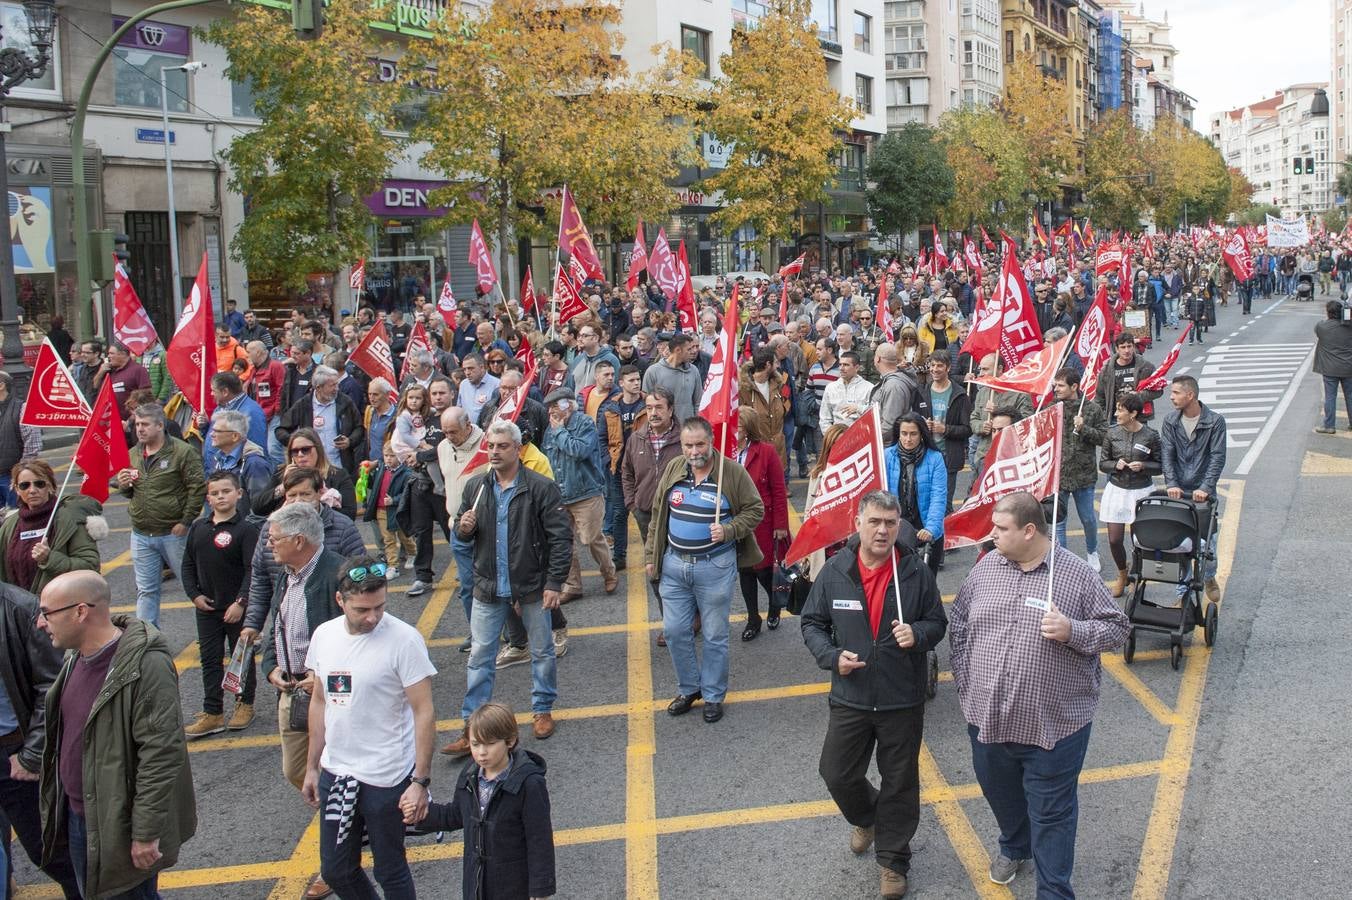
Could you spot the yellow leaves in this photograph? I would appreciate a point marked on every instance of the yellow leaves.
(1037, 107)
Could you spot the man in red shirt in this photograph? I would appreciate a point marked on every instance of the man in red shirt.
(872, 617)
(126, 373)
(265, 386)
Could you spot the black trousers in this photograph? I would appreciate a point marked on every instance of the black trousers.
(425, 507)
(893, 808)
(19, 800)
(751, 579)
(214, 639)
(516, 629)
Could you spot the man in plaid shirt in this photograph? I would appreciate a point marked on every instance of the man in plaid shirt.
(1028, 675)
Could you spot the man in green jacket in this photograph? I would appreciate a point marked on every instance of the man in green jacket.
(167, 487)
(116, 787)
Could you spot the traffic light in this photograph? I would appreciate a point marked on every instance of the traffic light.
(1295, 165)
(307, 18)
(101, 252)
(1309, 165)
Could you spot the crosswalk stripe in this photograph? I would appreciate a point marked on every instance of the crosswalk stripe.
(1249, 384)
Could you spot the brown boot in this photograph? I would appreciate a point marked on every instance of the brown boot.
(1120, 585)
(893, 885)
(459, 746)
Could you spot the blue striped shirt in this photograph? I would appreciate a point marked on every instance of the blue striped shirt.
(691, 508)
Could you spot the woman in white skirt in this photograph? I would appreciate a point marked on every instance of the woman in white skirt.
(1131, 459)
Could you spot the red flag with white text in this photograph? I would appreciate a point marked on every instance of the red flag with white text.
(576, 240)
(973, 256)
(1033, 375)
(1108, 259)
(638, 258)
(507, 412)
(446, 304)
(793, 268)
(191, 357)
(685, 292)
(884, 313)
(53, 399)
(481, 259)
(719, 402)
(1093, 339)
(373, 355)
(417, 340)
(131, 325)
(1237, 256)
(529, 299)
(356, 279)
(102, 450)
(986, 239)
(1159, 379)
(662, 267)
(939, 261)
(853, 469)
(567, 297)
(1025, 456)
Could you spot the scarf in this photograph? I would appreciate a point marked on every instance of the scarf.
(19, 554)
(340, 804)
(906, 493)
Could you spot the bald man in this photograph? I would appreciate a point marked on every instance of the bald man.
(129, 753)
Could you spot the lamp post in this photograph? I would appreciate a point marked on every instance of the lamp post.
(188, 67)
(16, 67)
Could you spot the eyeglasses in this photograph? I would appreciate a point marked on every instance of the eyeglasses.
(360, 573)
(48, 613)
(307, 448)
(25, 485)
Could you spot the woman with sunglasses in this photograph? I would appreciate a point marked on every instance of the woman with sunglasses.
(305, 450)
(34, 553)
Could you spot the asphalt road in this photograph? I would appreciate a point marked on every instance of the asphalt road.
(1227, 778)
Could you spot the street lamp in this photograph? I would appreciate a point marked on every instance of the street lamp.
(16, 67)
(188, 67)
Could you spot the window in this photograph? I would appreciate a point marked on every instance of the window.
(15, 35)
(863, 94)
(242, 99)
(696, 43)
(1009, 46)
(747, 12)
(138, 59)
(896, 10)
(1166, 60)
(952, 49)
(824, 14)
(863, 33)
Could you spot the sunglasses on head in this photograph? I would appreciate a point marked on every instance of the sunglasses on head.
(360, 573)
(25, 485)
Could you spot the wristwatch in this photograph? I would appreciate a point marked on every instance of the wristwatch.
(425, 782)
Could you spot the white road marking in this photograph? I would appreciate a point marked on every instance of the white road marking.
(1251, 458)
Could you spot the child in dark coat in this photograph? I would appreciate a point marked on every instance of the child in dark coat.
(385, 489)
(502, 803)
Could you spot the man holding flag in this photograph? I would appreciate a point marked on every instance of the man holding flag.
(873, 615)
(1084, 426)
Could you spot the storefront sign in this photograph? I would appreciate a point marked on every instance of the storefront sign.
(402, 197)
(691, 197)
(155, 37)
(154, 136)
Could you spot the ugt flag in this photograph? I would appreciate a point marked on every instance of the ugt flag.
(131, 325)
(853, 469)
(719, 403)
(53, 399)
(373, 355)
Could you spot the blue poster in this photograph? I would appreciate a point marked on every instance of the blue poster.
(30, 230)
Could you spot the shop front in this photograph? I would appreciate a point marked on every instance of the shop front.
(411, 250)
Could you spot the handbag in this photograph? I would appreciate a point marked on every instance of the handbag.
(791, 585)
(299, 718)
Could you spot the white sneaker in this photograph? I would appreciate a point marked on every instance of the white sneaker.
(560, 642)
(512, 656)
(410, 565)
(1094, 563)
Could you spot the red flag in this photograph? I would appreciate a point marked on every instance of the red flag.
(1160, 377)
(529, 300)
(1089, 236)
(1042, 235)
(1034, 374)
(53, 399)
(986, 239)
(793, 268)
(526, 355)
(1092, 340)
(884, 314)
(1026, 456)
(356, 279)
(191, 357)
(784, 302)
(638, 258)
(131, 325)
(719, 402)
(853, 469)
(1148, 247)
(372, 355)
(685, 292)
(481, 259)
(973, 256)
(939, 261)
(662, 266)
(417, 340)
(984, 337)
(574, 238)
(1108, 259)
(102, 450)
(446, 305)
(566, 296)
(1014, 331)
(507, 412)
(1124, 283)
(1237, 256)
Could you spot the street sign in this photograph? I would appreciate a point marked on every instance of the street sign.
(154, 136)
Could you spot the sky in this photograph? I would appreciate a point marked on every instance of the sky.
(1235, 52)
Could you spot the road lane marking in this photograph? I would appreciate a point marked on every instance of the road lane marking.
(966, 842)
(1251, 458)
(640, 800)
(1117, 668)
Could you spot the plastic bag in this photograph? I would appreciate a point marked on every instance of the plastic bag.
(233, 681)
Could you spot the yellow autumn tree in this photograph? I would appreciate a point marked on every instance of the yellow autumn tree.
(1116, 166)
(990, 168)
(775, 106)
(1037, 107)
(527, 95)
(1192, 182)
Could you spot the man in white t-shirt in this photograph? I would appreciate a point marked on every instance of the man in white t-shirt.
(372, 727)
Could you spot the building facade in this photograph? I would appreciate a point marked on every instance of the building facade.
(982, 77)
(1148, 37)
(1267, 141)
(922, 60)
(1340, 86)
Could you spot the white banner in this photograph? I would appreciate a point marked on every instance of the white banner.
(1287, 232)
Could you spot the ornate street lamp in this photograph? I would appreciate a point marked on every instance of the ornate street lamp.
(16, 67)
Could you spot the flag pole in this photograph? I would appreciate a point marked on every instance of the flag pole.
(1056, 507)
(70, 469)
(878, 445)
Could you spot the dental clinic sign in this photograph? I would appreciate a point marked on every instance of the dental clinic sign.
(405, 198)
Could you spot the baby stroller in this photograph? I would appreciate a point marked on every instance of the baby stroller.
(1304, 286)
(1171, 540)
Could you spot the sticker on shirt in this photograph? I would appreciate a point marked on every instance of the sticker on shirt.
(677, 498)
(1142, 447)
(32, 535)
(417, 421)
(119, 387)
(338, 688)
(319, 421)
(1038, 603)
(847, 604)
(164, 464)
(222, 539)
(264, 389)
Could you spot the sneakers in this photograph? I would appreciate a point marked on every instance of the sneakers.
(893, 884)
(203, 725)
(417, 588)
(241, 718)
(409, 565)
(1322, 430)
(1004, 869)
(513, 656)
(1213, 590)
(560, 642)
(861, 839)
(1094, 563)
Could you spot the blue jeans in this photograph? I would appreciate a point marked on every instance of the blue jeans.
(1171, 307)
(616, 518)
(377, 814)
(149, 556)
(276, 452)
(1032, 793)
(1331, 385)
(463, 551)
(7, 495)
(78, 835)
(704, 587)
(1084, 505)
(485, 626)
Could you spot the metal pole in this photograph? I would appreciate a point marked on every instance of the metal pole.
(169, 177)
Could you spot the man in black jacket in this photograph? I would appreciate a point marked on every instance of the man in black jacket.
(28, 666)
(872, 617)
(333, 416)
(521, 558)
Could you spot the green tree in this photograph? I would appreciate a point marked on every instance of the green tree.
(911, 177)
(1192, 181)
(1343, 180)
(1335, 220)
(989, 161)
(527, 95)
(1257, 214)
(775, 105)
(1114, 160)
(321, 145)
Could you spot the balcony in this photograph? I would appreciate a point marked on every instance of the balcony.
(829, 47)
(901, 63)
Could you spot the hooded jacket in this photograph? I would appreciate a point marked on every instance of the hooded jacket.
(75, 532)
(29, 664)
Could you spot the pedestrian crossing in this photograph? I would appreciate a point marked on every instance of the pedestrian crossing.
(1248, 383)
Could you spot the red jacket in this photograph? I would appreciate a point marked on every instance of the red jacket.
(266, 387)
(767, 473)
